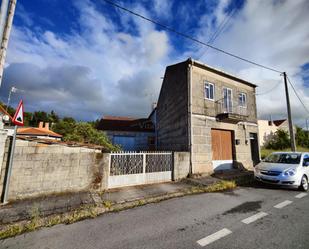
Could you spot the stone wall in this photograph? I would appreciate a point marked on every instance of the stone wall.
(202, 149)
(181, 165)
(41, 169)
(172, 110)
(203, 106)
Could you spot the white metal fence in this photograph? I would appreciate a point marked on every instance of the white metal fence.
(135, 168)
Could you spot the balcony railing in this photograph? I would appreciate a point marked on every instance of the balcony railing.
(230, 111)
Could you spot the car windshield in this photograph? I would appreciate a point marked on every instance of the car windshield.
(286, 158)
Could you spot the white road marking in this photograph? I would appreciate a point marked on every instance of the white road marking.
(301, 195)
(254, 217)
(213, 237)
(283, 204)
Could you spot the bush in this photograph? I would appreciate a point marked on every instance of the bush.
(83, 132)
(302, 137)
(279, 141)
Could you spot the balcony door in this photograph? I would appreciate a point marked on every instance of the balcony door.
(227, 100)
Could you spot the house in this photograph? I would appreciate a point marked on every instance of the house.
(42, 132)
(211, 114)
(267, 128)
(4, 116)
(132, 134)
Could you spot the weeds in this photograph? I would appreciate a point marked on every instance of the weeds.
(91, 211)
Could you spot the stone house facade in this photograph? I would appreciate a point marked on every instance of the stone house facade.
(210, 113)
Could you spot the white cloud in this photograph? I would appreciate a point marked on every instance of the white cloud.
(122, 69)
(97, 70)
(273, 33)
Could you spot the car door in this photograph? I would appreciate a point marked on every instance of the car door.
(306, 160)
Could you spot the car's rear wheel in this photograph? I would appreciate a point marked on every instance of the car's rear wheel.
(304, 184)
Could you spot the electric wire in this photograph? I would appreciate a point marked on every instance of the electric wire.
(297, 95)
(270, 90)
(220, 28)
(188, 36)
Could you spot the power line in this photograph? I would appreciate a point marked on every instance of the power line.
(270, 90)
(188, 36)
(220, 29)
(296, 93)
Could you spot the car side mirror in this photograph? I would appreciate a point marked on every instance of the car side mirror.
(306, 164)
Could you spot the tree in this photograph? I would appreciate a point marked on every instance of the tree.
(83, 132)
(279, 141)
(302, 137)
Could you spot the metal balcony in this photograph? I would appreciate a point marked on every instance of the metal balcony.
(230, 112)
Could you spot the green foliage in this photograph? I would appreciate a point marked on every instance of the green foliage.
(302, 137)
(279, 141)
(82, 132)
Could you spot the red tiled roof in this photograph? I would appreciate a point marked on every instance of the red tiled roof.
(279, 122)
(37, 132)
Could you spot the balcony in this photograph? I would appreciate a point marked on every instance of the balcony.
(230, 112)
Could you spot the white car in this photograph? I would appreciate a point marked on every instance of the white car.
(284, 168)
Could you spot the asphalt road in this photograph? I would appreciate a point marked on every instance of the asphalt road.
(245, 218)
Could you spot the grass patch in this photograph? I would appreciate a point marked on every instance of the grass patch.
(91, 211)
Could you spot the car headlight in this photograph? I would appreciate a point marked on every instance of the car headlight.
(289, 172)
(256, 170)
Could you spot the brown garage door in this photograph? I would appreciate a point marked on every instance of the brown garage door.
(221, 145)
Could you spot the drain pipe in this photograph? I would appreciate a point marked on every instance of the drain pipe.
(190, 129)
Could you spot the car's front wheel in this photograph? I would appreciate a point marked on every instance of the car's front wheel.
(304, 184)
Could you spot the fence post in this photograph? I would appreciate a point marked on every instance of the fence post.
(144, 163)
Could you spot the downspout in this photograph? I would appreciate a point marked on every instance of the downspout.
(190, 129)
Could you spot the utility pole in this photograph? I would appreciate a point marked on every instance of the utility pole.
(291, 130)
(6, 36)
(3, 15)
(307, 127)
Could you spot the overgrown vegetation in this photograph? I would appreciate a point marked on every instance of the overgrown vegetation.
(82, 132)
(68, 127)
(281, 140)
(91, 211)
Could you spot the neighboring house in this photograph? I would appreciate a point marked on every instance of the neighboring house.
(268, 128)
(210, 113)
(131, 134)
(38, 132)
(4, 116)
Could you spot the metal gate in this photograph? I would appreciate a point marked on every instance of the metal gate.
(136, 168)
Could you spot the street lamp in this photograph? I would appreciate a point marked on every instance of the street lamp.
(12, 90)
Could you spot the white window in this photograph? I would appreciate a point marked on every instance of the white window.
(227, 100)
(242, 100)
(209, 91)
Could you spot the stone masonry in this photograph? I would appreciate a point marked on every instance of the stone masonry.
(41, 169)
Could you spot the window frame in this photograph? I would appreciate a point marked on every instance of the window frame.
(246, 100)
(205, 90)
(228, 107)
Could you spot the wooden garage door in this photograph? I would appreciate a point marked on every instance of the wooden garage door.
(221, 145)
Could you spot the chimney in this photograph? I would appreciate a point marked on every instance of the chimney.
(47, 125)
(41, 125)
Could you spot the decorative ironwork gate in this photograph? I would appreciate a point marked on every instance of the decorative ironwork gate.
(136, 168)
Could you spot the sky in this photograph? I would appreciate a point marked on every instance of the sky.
(86, 59)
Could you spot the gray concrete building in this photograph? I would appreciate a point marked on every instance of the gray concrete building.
(211, 114)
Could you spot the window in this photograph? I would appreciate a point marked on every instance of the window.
(242, 100)
(209, 91)
(306, 160)
(227, 100)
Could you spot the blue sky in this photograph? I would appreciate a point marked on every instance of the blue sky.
(84, 58)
